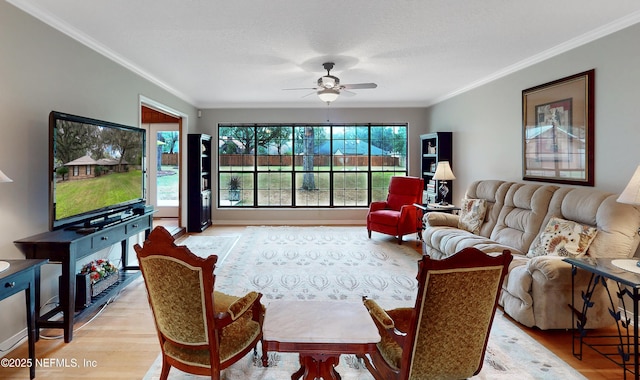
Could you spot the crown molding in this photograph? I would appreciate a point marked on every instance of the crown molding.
(92, 44)
(605, 30)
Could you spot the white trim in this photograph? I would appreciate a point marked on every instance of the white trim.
(91, 43)
(584, 39)
(160, 107)
(14, 342)
(143, 100)
(76, 34)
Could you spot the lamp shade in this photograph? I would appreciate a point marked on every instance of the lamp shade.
(443, 172)
(4, 178)
(328, 95)
(631, 193)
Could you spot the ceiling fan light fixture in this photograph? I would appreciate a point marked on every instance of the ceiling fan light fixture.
(328, 95)
(329, 81)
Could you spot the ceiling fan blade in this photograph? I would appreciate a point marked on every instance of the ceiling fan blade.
(347, 93)
(300, 88)
(359, 86)
(311, 93)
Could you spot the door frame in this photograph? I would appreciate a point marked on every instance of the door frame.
(153, 128)
(183, 124)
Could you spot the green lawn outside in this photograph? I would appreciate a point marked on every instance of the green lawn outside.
(79, 196)
(275, 186)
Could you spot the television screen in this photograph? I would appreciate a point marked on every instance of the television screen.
(97, 169)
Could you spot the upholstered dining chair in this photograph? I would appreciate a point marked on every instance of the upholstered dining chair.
(201, 331)
(444, 336)
(397, 216)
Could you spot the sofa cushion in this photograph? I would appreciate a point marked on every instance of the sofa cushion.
(442, 242)
(472, 213)
(523, 214)
(493, 191)
(617, 223)
(563, 238)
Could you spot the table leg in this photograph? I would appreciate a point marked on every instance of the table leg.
(316, 366)
(68, 298)
(265, 355)
(36, 292)
(31, 326)
(636, 344)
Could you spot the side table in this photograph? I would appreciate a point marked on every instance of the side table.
(24, 275)
(320, 331)
(628, 288)
(432, 207)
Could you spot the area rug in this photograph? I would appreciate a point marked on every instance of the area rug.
(341, 263)
(204, 246)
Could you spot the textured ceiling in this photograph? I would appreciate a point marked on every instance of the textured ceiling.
(217, 54)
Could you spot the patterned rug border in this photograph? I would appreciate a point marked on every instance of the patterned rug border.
(511, 352)
(203, 246)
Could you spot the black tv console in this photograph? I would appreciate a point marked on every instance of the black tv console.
(66, 246)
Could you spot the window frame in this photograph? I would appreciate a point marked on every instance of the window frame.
(256, 173)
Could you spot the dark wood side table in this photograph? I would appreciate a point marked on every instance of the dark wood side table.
(430, 207)
(628, 342)
(24, 275)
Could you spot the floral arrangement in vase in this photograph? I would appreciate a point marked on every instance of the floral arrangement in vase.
(99, 270)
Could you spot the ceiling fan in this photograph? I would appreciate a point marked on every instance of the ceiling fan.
(329, 87)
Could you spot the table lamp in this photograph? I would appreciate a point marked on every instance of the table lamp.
(631, 193)
(4, 178)
(443, 174)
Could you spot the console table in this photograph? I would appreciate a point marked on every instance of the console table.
(626, 344)
(24, 275)
(65, 247)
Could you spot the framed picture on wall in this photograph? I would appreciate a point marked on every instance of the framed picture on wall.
(558, 130)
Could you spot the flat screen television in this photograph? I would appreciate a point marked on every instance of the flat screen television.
(97, 170)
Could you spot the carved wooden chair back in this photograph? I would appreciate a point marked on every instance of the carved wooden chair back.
(190, 317)
(445, 335)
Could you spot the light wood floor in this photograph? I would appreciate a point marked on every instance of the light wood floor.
(121, 343)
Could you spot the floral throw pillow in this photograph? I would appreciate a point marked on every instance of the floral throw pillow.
(563, 238)
(472, 214)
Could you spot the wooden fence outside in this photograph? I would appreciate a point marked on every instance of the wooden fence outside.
(318, 160)
(170, 159)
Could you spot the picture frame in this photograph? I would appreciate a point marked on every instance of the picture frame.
(558, 131)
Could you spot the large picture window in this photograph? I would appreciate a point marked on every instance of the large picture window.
(308, 165)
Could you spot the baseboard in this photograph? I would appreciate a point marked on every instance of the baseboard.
(13, 342)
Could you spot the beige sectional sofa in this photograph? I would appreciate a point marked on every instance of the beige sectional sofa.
(537, 290)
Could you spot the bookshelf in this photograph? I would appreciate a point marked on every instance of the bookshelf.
(435, 147)
(199, 198)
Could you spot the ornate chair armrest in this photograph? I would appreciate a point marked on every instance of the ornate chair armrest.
(245, 303)
(250, 301)
(384, 322)
(378, 314)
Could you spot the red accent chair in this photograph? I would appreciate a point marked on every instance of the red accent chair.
(397, 216)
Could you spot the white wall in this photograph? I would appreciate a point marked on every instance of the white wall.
(43, 70)
(487, 121)
(212, 117)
